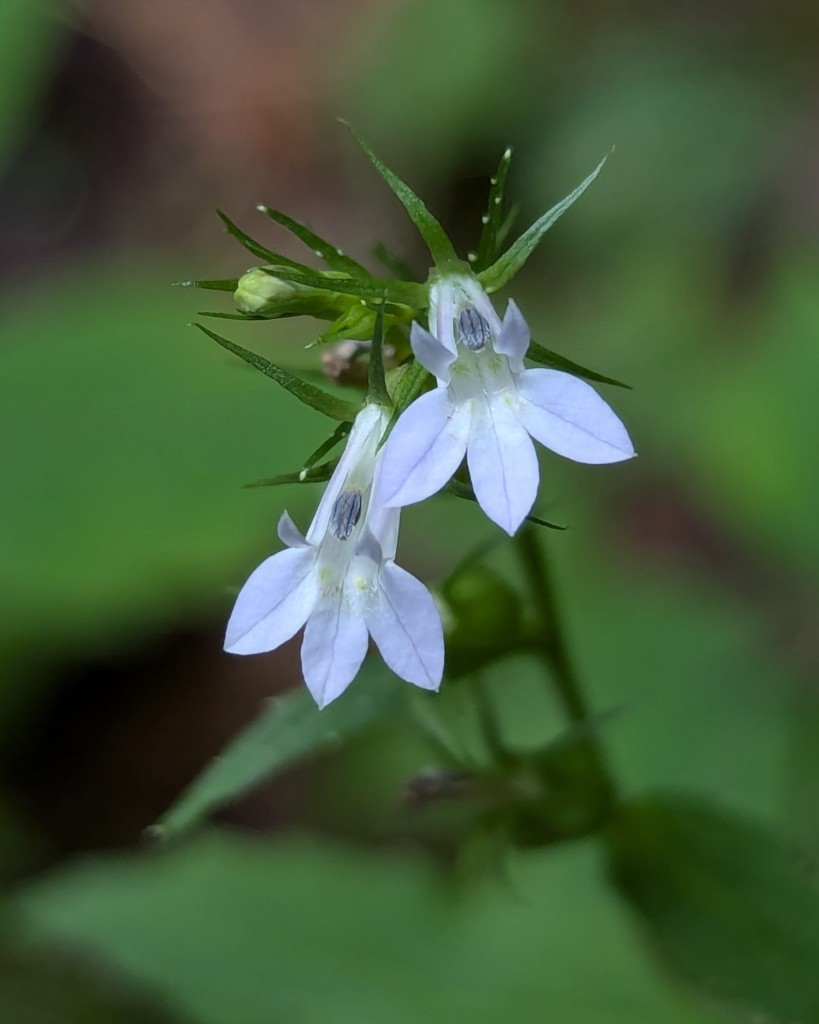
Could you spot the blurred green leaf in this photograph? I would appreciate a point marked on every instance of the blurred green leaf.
(290, 729)
(309, 394)
(51, 988)
(504, 269)
(544, 356)
(236, 930)
(725, 902)
(437, 241)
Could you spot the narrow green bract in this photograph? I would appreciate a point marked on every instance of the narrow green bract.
(504, 269)
(321, 401)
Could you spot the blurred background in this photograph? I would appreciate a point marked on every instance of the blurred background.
(689, 576)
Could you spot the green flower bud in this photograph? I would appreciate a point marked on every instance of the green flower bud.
(258, 289)
(483, 616)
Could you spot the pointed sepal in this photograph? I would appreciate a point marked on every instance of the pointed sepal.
(554, 361)
(495, 217)
(309, 394)
(504, 269)
(439, 245)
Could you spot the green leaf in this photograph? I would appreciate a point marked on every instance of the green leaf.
(438, 243)
(228, 284)
(329, 405)
(259, 251)
(461, 489)
(404, 293)
(724, 900)
(290, 729)
(48, 987)
(377, 384)
(332, 256)
(494, 218)
(544, 356)
(505, 268)
(300, 930)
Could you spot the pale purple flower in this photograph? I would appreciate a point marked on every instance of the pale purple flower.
(342, 582)
(488, 407)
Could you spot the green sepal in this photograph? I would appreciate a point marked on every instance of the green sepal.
(504, 269)
(439, 245)
(461, 489)
(321, 401)
(354, 324)
(259, 251)
(314, 475)
(494, 218)
(405, 383)
(289, 729)
(218, 315)
(403, 293)
(332, 256)
(310, 473)
(227, 284)
(544, 356)
(377, 384)
(337, 436)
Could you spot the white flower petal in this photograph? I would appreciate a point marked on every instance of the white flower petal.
(406, 626)
(502, 464)
(274, 603)
(431, 353)
(514, 336)
(381, 521)
(334, 646)
(289, 533)
(567, 415)
(442, 314)
(358, 461)
(424, 449)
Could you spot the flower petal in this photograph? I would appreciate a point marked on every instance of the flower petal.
(357, 461)
(514, 336)
(334, 646)
(431, 353)
(424, 449)
(502, 464)
(274, 603)
(382, 522)
(567, 415)
(289, 533)
(406, 626)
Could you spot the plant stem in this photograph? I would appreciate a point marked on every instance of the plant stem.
(551, 644)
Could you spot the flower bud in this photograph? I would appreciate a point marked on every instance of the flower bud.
(483, 618)
(258, 289)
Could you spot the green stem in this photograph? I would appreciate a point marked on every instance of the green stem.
(550, 640)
